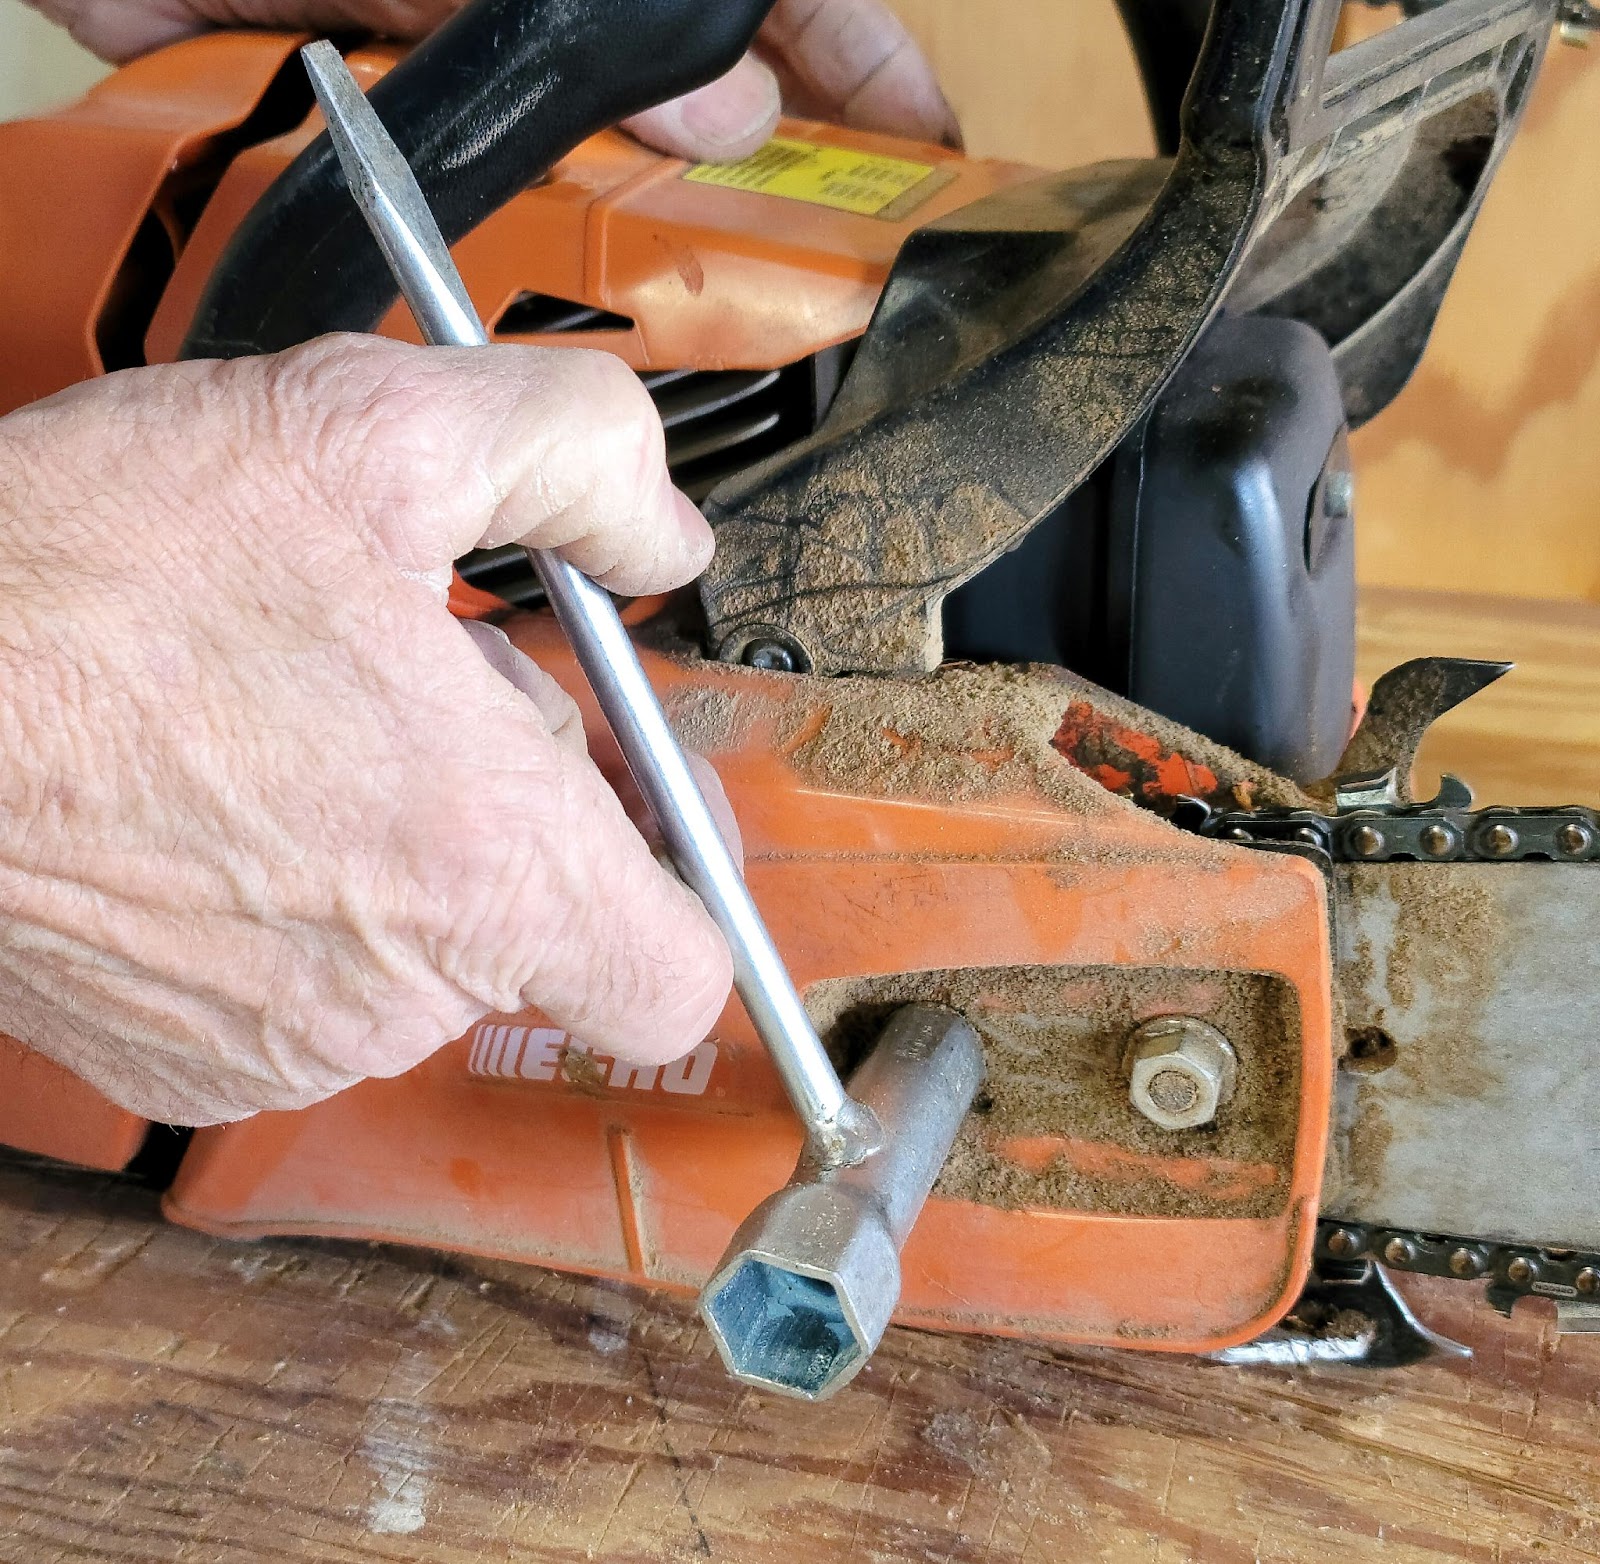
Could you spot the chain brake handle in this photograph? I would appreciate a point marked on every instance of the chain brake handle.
(481, 110)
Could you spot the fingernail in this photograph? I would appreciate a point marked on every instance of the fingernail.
(697, 534)
(735, 107)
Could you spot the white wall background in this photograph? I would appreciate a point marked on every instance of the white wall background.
(39, 64)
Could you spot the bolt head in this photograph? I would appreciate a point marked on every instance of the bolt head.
(1366, 841)
(1438, 840)
(1465, 1263)
(1521, 1271)
(1398, 1252)
(772, 656)
(1181, 1070)
(765, 647)
(1587, 1280)
(1343, 1244)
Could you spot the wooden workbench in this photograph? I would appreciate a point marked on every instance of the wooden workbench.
(168, 1398)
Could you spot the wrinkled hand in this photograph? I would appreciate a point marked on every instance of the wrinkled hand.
(270, 821)
(845, 60)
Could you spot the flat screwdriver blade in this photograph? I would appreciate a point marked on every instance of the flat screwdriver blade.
(388, 196)
(839, 1131)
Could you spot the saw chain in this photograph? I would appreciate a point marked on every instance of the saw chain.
(1446, 830)
(1425, 833)
(1512, 1271)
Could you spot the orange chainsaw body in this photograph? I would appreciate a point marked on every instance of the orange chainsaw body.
(1054, 908)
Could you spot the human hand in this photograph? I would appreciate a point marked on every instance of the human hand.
(846, 60)
(270, 821)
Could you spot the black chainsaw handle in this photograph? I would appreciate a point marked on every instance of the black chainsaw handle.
(482, 109)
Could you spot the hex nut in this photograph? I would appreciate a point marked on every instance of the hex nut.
(1180, 1070)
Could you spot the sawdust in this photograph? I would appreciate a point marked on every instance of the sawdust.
(1356, 974)
(1445, 934)
(1446, 938)
(962, 733)
(710, 720)
(955, 736)
(581, 1070)
(1237, 783)
(1425, 995)
(1054, 1127)
(870, 618)
(1366, 1152)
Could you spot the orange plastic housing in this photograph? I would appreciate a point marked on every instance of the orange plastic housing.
(495, 1144)
(712, 278)
(50, 1112)
(643, 1175)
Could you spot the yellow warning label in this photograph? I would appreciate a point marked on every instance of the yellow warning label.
(845, 178)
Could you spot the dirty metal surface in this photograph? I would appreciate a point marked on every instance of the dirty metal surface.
(1481, 1119)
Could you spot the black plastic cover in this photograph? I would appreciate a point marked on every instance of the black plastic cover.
(1232, 521)
(1207, 569)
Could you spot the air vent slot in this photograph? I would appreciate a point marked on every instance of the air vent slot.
(543, 315)
(718, 422)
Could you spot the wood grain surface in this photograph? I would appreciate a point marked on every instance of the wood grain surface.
(1532, 738)
(169, 1398)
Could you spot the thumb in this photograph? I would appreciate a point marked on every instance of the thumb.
(721, 122)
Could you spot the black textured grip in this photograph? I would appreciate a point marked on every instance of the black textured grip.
(481, 110)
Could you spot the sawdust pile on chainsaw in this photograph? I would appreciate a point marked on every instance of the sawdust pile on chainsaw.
(958, 735)
(1056, 1129)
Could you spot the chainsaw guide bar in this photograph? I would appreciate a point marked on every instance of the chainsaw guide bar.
(1544, 837)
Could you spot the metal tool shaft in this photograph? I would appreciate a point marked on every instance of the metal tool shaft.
(839, 1131)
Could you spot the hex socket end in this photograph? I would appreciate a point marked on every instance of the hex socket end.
(807, 1287)
(805, 1293)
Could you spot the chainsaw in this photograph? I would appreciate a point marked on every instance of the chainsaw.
(1026, 660)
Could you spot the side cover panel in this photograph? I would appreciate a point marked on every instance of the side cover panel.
(50, 1112)
(76, 187)
(965, 859)
(701, 276)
